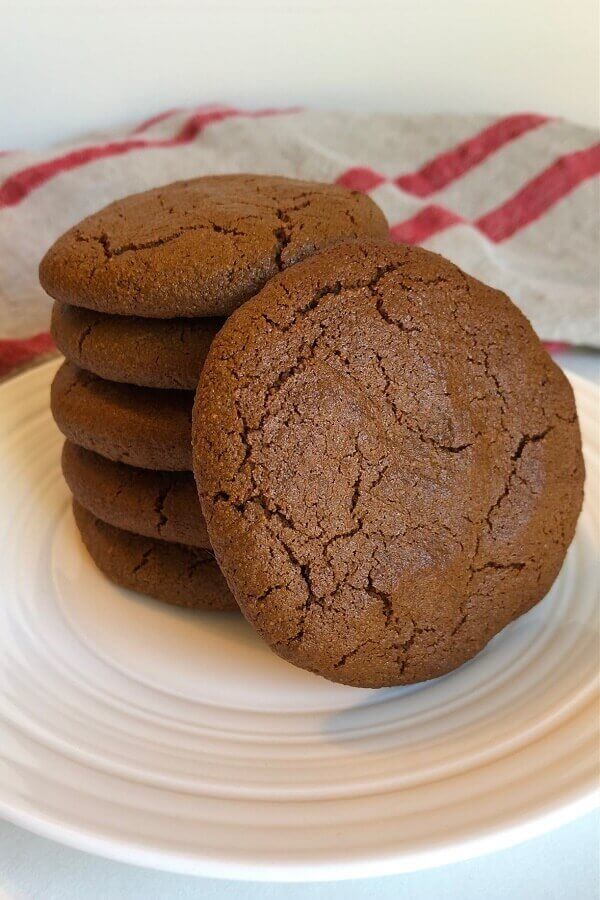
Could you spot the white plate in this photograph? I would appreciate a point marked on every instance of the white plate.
(178, 740)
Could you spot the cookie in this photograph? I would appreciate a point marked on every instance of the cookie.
(173, 573)
(389, 463)
(155, 504)
(143, 427)
(200, 247)
(159, 353)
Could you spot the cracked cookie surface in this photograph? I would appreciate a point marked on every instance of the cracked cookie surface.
(161, 505)
(388, 461)
(144, 427)
(160, 353)
(173, 573)
(200, 247)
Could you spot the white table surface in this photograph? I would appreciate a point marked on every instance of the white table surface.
(561, 865)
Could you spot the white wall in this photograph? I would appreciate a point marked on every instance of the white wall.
(76, 65)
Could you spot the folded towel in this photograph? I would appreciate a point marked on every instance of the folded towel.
(513, 201)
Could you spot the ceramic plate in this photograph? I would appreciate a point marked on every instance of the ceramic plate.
(178, 740)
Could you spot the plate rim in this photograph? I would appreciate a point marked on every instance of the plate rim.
(225, 869)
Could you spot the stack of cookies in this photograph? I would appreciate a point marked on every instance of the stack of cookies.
(388, 463)
(141, 290)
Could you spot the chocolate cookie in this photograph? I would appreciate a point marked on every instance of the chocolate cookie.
(389, 463)
(156, 504)
(160, 353)
(200, 247)
(143, 427)
(173, 573)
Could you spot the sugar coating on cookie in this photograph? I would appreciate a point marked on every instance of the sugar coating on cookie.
(144, 427)
(160, 353)
(389, 463)
(161, 505)
(201, 247)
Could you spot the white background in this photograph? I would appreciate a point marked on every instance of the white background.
(68, 66)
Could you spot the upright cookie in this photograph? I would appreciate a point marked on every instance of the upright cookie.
(173, 573)
(156, 504)
(200, 247)
(160, 353)
(389, 463)
(142, 427)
